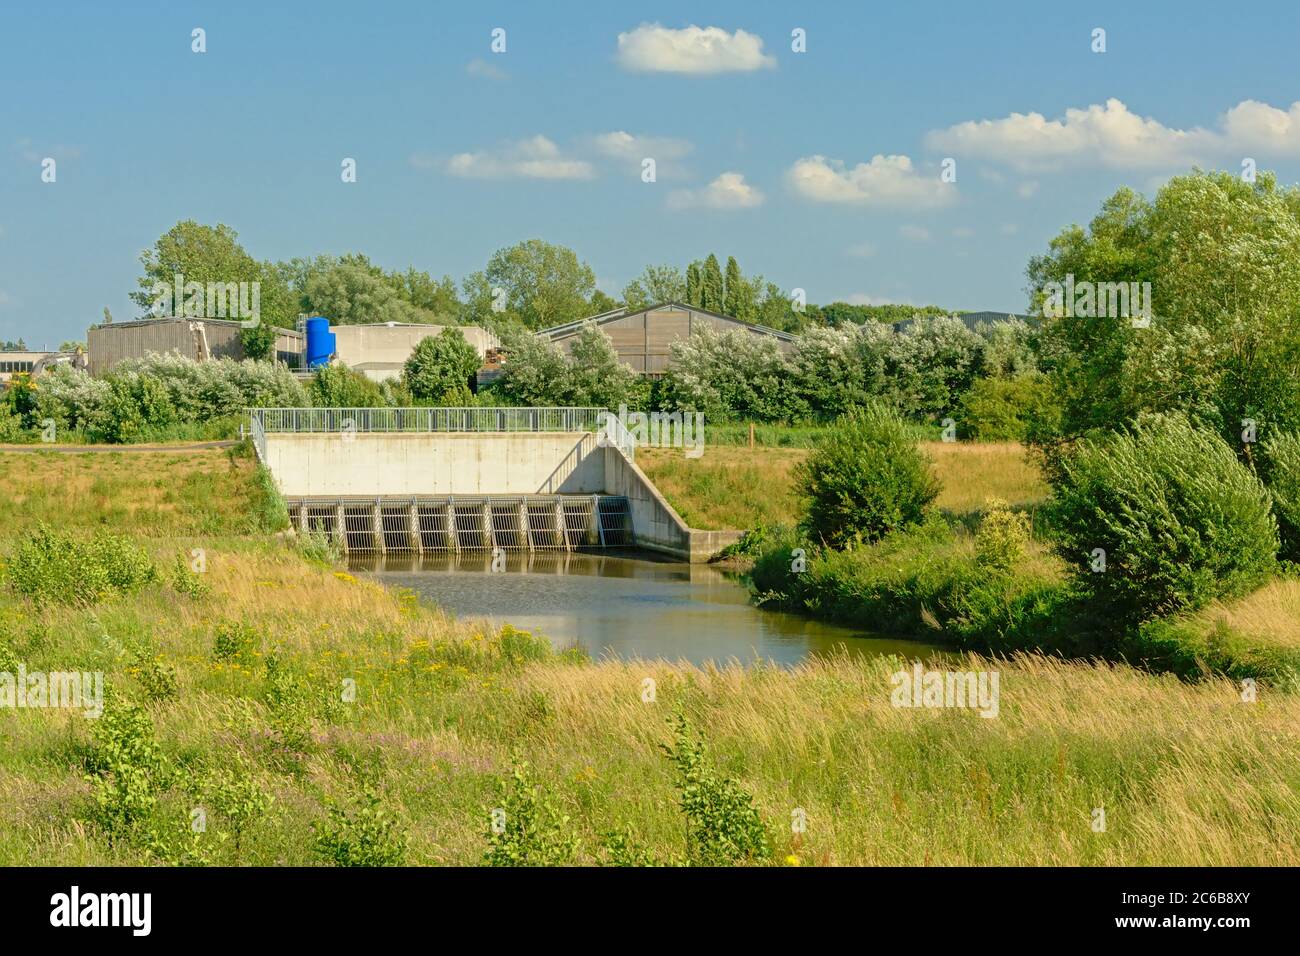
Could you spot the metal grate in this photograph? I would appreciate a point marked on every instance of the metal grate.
(450, 524)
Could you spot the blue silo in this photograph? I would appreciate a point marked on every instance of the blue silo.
(320, 342)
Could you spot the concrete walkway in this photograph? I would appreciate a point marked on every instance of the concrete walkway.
(111, 449)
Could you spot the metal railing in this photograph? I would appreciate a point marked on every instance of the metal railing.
(276, 420)
(615, 434)
(259, 439)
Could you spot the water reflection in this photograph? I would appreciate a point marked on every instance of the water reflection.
(624, 605)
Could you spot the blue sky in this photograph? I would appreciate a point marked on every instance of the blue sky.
(762, 153)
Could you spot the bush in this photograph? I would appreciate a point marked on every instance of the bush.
(528, 828)
(366, 836)
(1282, 475)
(440, 364)
(235, 643)
(1010, 409)
(337, 386)
(51, 567)
(127, 767)
(136, 404)
(865, 479)
(722, 825)
(1179, 520)
(1002, 536)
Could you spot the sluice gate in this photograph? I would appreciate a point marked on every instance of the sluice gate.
(455, 523)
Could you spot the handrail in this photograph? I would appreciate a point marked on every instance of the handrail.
(426, 419)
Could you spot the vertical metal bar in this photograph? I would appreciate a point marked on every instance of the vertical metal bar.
(595, 516)
(341, 527)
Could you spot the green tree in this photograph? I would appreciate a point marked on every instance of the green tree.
(656, 284)
(693, 274)
(597, 374)
(1222, 257)
(210, 254)
(440, 364)
(541, 285)
(712, 289)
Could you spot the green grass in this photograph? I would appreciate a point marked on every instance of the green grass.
(746, 488)
(1187, 773)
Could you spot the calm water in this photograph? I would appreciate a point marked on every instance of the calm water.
(629, 607)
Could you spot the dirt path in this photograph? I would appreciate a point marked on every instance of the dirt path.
(112, 449)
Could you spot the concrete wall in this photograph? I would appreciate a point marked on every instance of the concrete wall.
(655, 523)
(325, 465)
(362, 344)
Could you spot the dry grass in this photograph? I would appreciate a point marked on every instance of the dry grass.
(160, 494)
(1269, 616)
(742, 487)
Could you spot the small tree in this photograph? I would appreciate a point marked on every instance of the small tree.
(867, 479)
(1161, 518)
(440, 364)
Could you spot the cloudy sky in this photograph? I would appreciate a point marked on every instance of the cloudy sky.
(822, 169)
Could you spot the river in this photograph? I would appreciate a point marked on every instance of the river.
(625, 605)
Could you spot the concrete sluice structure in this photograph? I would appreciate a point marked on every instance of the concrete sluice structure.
(450, 524)
(445, 480)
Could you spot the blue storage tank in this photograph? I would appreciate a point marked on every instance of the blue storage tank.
(320, 342)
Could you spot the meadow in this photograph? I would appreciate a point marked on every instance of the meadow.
(741, 487)
(231, 698)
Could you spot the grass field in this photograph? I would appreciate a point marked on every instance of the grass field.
(740, 487)
(1185, 774)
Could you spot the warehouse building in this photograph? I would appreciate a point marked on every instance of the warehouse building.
(380, 351)
(643, 339)
(199, 339)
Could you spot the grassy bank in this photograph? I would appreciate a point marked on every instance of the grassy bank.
(239, 687)
(744, 488)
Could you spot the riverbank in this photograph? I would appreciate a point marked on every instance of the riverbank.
(243, 683)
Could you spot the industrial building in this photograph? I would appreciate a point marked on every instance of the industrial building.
(199, 339)
(644, 338)
(33, 363)
(380, 351)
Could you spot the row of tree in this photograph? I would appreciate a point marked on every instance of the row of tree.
(532, 285)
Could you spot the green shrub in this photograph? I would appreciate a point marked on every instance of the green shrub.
(722, 824)
(136, 404)
(188, 582)
(1010, 409)
(368, 835)
(440, 364)
(235, 642)
(127, 769)
(236, 796)
(52, 567)
(527, 829)
(1174, 515)
(865, 479)
(337, 386)
(1282, 475)
(1002, 536)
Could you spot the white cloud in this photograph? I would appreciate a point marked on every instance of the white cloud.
(485, 70)
(1009, 229)
(728, 191)
(1251, 124)
(914, 233)
(885, 181)
(962, 232)
(1113, 136)
(535, 158)
(862, 298)
(699, 50)
(863, 250)
(623, 145)
(1027, 189)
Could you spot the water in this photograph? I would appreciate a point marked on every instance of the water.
(626, 606)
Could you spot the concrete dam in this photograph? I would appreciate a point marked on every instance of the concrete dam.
(447, 480)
